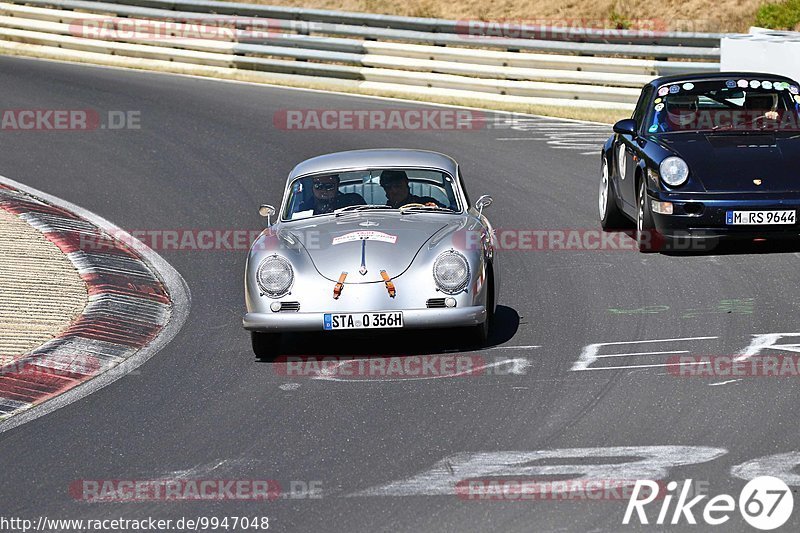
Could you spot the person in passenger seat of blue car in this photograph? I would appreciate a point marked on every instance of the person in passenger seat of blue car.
(327, 197)
(398, 192)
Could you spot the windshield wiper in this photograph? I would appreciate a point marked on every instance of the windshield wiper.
(425, 208)
(725, 126)
(751, 122)
(360, 207)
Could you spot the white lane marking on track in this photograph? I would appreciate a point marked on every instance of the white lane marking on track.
(176, 286)
(724, 382)
(782, 465)
(591, 353)
(640, 353)
(623, 463)
(289, 386)
(522, 347)
(518, 366)
(561, 145)
(559, 136)
(767, 342)
(627, 367)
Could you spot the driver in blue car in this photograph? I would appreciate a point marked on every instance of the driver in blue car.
(327, 197)
(398, 192)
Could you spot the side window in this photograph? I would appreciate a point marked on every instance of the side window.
(641, 106)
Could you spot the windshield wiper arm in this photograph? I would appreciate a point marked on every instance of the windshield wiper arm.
(425, 208)
(751, 122)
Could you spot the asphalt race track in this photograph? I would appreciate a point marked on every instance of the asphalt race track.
(207, 155)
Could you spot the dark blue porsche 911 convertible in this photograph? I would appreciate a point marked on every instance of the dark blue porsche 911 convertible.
(705, 156)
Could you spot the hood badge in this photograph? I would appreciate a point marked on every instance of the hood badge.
(363, 269)
(758, 182)
(368, 223)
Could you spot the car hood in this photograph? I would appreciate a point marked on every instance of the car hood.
(379, 241)
(730, 162)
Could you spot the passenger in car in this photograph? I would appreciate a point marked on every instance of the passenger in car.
(327, 197)
(398, 192)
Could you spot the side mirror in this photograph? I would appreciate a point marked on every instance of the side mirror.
(268, 212)
(483, 201)
(625, 127)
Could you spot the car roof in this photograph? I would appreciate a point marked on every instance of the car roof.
(375, 158)
(658, 82)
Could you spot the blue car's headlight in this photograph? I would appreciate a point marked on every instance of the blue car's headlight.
(451, 272)
(275, 276)
(674, 171)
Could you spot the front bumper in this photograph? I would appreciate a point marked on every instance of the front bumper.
(709, 222)
(412, 319)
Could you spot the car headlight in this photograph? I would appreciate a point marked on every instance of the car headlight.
(674, 171)
(451, 272)
(275, 276)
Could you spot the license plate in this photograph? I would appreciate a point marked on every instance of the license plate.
(760, 218)
(390, 319)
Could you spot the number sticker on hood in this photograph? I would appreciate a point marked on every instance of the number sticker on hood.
(365, 236)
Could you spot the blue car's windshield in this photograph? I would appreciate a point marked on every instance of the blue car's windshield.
(740, 104)
(392, 188)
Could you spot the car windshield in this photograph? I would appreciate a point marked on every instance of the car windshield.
(740, 104)
(387, 188)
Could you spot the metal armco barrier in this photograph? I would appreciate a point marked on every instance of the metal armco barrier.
(586, 68)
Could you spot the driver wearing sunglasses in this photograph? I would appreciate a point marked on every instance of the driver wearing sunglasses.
(327, 197)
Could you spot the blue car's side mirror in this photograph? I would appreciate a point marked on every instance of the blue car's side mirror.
(625, 127)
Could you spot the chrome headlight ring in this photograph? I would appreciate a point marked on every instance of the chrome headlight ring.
(275, 276)
(451, 272)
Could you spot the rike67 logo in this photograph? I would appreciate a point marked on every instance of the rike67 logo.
(765, 503)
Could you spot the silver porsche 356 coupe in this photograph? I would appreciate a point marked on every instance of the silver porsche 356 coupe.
(372, 239)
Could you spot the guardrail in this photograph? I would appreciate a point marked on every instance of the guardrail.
(382, 53)
(431, 25)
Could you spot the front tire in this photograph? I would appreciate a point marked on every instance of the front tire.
(266, 346)
(479, 335)
(646, 236)
(611, 218)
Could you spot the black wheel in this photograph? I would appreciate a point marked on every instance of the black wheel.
(266, 346)
(611, 218)
(479, 335)
(647, 239)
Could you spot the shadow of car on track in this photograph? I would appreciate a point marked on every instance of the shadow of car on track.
(738, 247)
(680, 245)
(388, 343)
